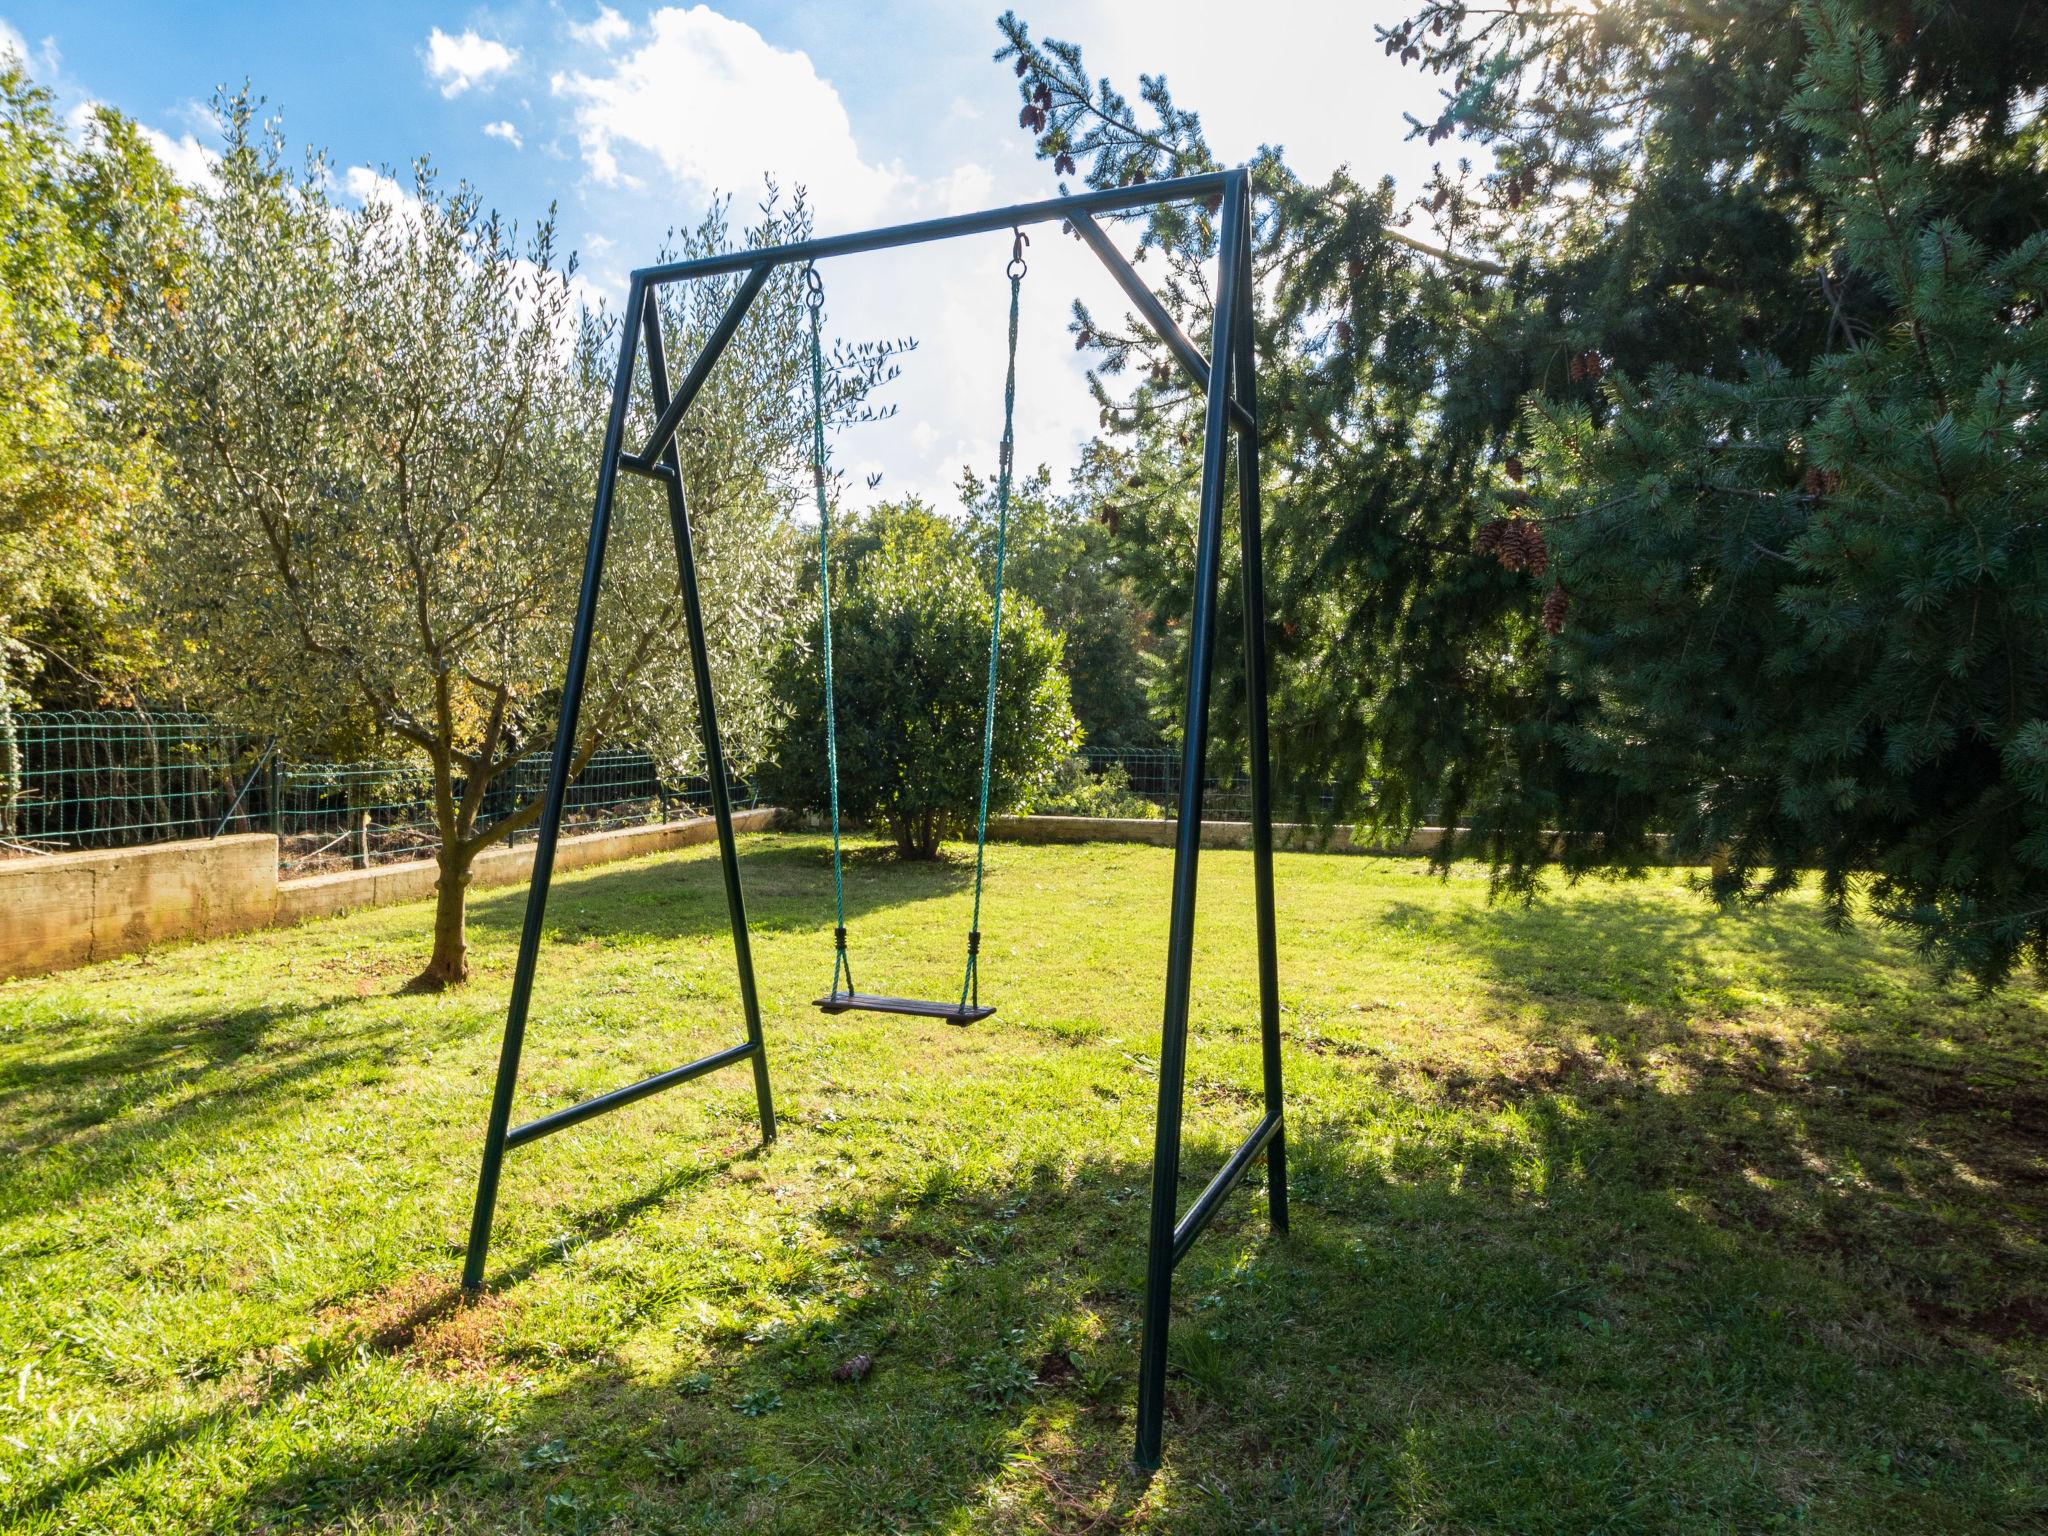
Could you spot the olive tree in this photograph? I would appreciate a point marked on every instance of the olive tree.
(384, 421)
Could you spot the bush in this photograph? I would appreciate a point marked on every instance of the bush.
(1074, 791)
(910, 629)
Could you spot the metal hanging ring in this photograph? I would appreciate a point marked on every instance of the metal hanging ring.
(1016, 269)
(814, 287)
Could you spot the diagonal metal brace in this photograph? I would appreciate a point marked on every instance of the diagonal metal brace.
(714, 347)
(1154, 312)
(1203, 1211)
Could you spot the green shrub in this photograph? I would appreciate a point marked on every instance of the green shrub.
(910, 628)
(1074, 791)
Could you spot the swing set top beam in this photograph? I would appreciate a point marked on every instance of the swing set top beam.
(1017, 216)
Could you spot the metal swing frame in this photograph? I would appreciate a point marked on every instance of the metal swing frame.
(1230, 384)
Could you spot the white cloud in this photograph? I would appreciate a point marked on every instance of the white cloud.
(608, 28)
(719, 106)
(12, 42)
(461, 62)
(506, 131)
(185, 157)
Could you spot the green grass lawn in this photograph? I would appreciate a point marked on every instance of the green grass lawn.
(1608, 1215)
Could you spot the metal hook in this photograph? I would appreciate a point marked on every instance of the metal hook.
(1016, 268)
(814, 286)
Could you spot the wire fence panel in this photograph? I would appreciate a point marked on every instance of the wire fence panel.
(112, 779)
(1111, 782)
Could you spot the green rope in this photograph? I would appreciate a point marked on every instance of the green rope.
(814, 296)
(970, 983)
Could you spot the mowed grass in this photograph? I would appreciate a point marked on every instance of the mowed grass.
(1609, 1215)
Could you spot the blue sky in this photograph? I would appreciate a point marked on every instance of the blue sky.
(629, 117)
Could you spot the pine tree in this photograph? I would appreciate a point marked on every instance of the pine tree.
(1669, 475)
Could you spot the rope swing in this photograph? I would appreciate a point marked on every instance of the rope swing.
(845, 999)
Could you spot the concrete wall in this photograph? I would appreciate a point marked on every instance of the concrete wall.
(73, 908)
(325, 895)
(1160, 832)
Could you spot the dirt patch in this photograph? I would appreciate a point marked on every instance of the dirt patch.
(430, 1323)
(1054, 1366)
(2019, 1318)
(2023, 1316)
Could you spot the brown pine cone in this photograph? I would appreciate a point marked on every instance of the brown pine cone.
(1491, 537)
(1555, 605)
(1535, 553)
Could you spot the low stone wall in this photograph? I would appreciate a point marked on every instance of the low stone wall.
(74, 908)
(325, 895)
(1161, 831)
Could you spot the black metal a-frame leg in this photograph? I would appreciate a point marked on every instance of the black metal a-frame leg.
(641, 318)
(1231, 402)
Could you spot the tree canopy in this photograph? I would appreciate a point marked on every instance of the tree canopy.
(1669, 471)
(90, 240)
(382, 422)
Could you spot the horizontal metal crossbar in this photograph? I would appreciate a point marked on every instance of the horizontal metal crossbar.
(653, 469)
(1115, 200)
(590, 1109)
(1203, 1211)
(869, 1002)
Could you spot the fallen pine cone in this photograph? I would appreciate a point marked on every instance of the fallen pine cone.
(855, 1369)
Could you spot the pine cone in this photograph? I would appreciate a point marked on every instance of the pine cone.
(1043, 95)
(1555, 605)
(1522, 547)
(1491, 539)
(1064, 165)
(1343, 333)
(1022, 65)
(1514, 468)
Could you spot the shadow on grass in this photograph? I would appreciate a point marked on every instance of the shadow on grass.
(1562, 1303)
(787, 884)
(144, 1079)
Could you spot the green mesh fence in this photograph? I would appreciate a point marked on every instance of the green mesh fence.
(117, 779)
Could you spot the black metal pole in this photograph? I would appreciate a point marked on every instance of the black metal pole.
(1253, 575)
(700, 667)
(551, 806)
(1180, 944)
(1113, 200)
(241, 794)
